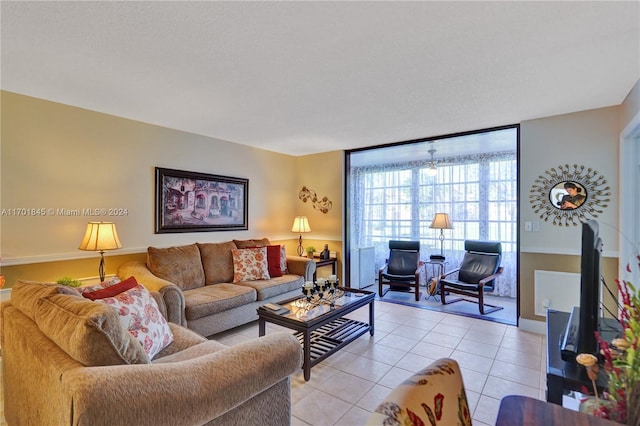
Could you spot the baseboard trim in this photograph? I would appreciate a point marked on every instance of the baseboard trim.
(532, 326)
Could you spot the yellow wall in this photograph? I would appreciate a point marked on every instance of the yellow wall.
(323, 174)
(56, 156)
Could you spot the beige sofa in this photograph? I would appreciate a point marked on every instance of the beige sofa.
(196, 284)
(68, 361)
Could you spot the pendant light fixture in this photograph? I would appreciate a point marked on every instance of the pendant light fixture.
(432, 171)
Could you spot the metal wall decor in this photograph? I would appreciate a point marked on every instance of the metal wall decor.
(569, 195)
(324, 204)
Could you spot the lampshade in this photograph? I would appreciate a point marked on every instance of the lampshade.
(100, 236)
(441, 221)
(300, 224)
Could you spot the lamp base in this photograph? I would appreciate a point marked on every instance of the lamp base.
(300, 249)
(101, 267)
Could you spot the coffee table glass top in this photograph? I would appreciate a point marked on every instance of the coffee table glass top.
(297, 312)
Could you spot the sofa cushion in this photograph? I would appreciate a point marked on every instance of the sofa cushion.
(89, 332)
(180, 265)
(251, 243)
(275, 286)
(217, 262)
(140, 315)
(250, 264)
(193, 352)
(211, 299)
(25, 294)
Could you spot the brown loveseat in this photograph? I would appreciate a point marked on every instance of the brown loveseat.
(197, 288)
(68, 360)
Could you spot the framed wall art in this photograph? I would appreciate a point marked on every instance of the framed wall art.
(200, 202)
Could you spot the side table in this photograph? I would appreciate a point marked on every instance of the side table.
(437, 269)
(325, 262)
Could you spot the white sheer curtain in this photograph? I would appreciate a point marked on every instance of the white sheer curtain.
(398, 201)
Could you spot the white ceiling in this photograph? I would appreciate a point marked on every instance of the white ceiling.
(308, 77)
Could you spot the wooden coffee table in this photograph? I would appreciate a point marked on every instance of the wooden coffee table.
(322, 330)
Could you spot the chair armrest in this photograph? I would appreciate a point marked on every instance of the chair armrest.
(172, 296)
(491, 277)
(302, 266)
(187, 392)
(453, 271)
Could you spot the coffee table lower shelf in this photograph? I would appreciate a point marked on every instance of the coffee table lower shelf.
(324, 329)
(330, 338)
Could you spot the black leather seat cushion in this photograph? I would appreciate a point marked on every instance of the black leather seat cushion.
(474, 267)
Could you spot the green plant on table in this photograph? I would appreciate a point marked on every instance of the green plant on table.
(310, 250)
(69, 282)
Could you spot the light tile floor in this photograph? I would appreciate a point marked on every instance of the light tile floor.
(496, 360)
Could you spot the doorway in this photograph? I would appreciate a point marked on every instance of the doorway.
(393, 192)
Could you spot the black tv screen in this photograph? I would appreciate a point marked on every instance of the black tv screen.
(590, 265)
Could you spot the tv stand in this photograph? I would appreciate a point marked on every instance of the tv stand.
(565, 376)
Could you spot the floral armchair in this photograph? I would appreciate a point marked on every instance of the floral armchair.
(432, 396)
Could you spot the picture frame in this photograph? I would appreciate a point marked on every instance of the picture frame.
(188, 201)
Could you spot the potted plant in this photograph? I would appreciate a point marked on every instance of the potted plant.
(68, 281)
(310, 250)
(621, 402)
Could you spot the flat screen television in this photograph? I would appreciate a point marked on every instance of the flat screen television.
(590, 279)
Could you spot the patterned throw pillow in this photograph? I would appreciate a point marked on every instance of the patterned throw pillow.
(274, 263)
(104, 284)
(250, 264)
(140, 315)
(283, 260)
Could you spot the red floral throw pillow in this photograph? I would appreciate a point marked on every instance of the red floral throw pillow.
(140, 315)
(250, 264)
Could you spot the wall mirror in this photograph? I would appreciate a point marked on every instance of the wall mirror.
(568, 195)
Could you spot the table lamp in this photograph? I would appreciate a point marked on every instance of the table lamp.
(300, 225)
(100, 236)
(441, 221)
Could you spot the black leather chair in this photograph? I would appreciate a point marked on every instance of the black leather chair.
(403, 268)
(476, 274)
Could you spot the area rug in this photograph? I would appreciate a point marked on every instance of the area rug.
(508, 315)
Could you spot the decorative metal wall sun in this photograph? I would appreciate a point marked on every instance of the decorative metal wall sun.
(569, 195)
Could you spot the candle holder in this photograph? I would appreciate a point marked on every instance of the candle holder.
(322, 292)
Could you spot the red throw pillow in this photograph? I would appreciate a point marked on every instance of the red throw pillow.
(273, 260)
(113, 290)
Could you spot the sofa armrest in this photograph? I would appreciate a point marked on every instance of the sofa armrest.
(174, 303)
(187, 392)
(302, 266)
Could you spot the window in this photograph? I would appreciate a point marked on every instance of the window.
(398, 199)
